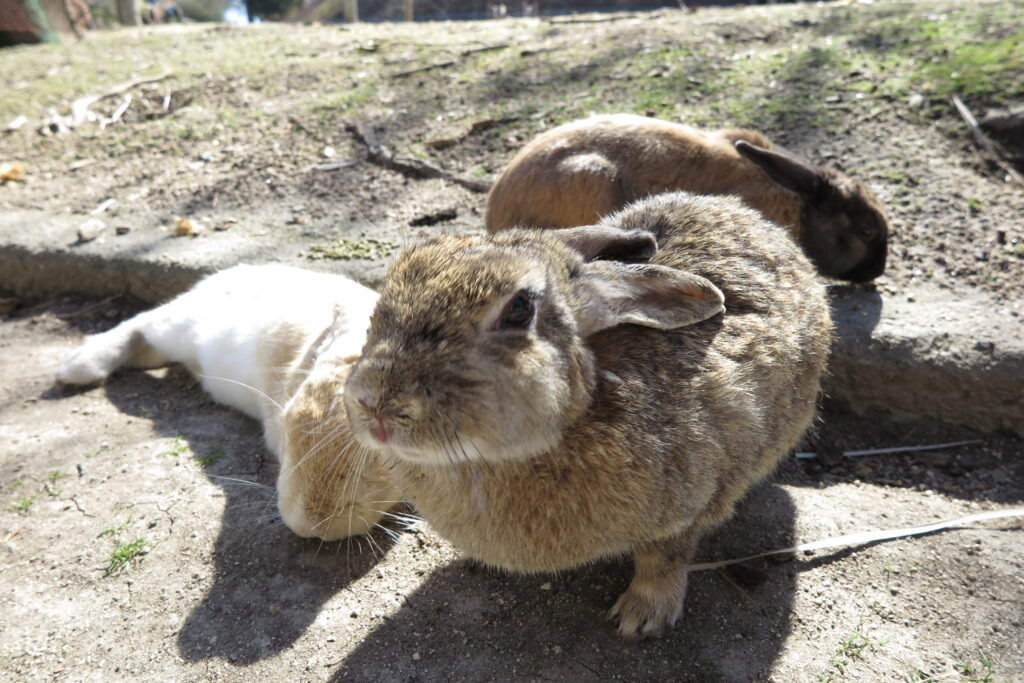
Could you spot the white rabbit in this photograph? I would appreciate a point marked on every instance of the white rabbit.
(270, 341)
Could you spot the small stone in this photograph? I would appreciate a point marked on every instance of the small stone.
(274, 610)
(122, 230)
(415, 656)
(328, 152)
(91, 229)
(545, 586)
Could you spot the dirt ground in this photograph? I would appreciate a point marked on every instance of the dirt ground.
(220, 590)
(251, 119)
(148, 470)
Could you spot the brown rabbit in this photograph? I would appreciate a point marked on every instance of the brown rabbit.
(543, 409)
(576, 173)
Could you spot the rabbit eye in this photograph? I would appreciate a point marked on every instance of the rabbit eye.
(518, 313)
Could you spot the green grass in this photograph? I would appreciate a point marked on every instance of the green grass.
(210, 458)
(177, 448)
(94, 452)
(23, 504)
(983, 672)
(122, 555)
(112, 529)
(852, 647)
(802, 70)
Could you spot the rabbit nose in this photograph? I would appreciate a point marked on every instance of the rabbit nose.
(379, 429)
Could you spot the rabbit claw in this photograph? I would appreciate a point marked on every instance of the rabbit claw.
(645, 613)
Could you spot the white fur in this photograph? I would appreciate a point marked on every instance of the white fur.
(218, 329)
(226, 330)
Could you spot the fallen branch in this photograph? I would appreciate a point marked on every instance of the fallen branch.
(335, 165)
(476, 127)
(866, 537)
(413, 168)
(895, 449)
(983, 140)
(429, 67)
(80, 108)
(486, 48)
(595, 20)
(452, 62)
(118, 113)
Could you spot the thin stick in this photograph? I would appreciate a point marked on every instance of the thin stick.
(983, 141)
(866, 537)
(413, 168)
(429, 67)
(80, 107)
(895, 449)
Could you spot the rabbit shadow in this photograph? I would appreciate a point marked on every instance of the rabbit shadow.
(856, 311)
(466, 622)
(267, 585)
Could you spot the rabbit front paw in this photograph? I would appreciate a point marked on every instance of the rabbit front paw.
(649, 606)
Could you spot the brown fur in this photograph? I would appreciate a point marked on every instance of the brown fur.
(548, 448)
(339, 488)
(576, 173)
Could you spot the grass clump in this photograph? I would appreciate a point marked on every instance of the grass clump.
(23, 504)
(210, 458)
(983, 672)
(348, 250)
(123, 554)
(177, 448)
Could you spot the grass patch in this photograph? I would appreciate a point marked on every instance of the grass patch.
(111, 529)
(123, 554)
(347, 250)
(850, 648)
(23, 504)
(93, 453)
(177, 448)
(210, 458)
(982, 672)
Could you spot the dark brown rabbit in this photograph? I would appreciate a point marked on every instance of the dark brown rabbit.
(544, 408)
(576, 173)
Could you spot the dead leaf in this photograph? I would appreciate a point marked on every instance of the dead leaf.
(183, 227)
(11, 171)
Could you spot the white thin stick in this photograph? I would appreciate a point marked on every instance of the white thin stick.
(103, 206)
(119, 112)
(866, 537)
(895, 449)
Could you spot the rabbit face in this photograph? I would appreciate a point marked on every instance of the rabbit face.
(472, 354)
(477, 348)
(846, 232)
(328, 486)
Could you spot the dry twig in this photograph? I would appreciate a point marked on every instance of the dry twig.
(983, 140)
(895, 449)
(413, 168)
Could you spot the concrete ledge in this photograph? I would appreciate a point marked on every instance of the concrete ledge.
(955, 358)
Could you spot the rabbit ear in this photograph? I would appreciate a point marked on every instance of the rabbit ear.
(783, 169)
(604, 242)
(612, 293)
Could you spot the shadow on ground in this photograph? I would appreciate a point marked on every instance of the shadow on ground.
(465, 619)
(268, 585)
